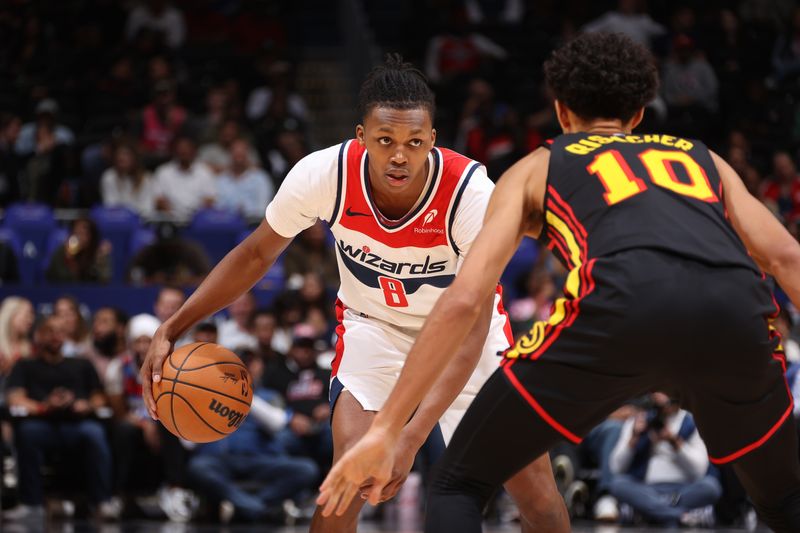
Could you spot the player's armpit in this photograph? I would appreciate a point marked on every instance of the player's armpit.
(770, 245)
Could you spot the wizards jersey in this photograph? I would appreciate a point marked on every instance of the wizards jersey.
(392, 271)
(610, 193)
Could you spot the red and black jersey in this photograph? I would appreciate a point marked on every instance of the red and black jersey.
(610, 193)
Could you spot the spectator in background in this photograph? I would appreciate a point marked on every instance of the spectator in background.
(60, 395)
(184, 184)
(244, 188)
(304, 386)
(31, 140)
(169, 260)
(690, 87)
(160, 122)
(16, 322)
(264, 324)
(276, 99)
(158, 16)
(290, 146)
(83, 257)
(170, 298)
(205, 332)
(661, 467)
(128, 184)
(136, 437)
(629, 18)
(786, 54)
(488, 131)
(311, 252)
(457, 52)
(237, 331)
(45, 147)
(108, 337)
(535, 303)
(219, 112)
(251, 453)
(10, 161)
(217, 153)
(77, 341)
(781, 192)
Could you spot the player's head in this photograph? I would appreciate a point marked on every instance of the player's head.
(601, 77)
(396, 107)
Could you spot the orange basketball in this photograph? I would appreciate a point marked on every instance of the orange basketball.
(204, 393)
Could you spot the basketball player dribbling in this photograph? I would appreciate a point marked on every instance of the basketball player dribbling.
(404, 214)
(664, 245)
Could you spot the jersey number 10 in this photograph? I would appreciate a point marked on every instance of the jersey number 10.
(621, 183)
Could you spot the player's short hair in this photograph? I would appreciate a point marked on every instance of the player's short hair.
(602, 75)
(395, 84)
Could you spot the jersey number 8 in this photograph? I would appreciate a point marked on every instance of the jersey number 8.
(393, 291)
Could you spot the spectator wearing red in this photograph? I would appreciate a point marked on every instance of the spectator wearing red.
(160, 122)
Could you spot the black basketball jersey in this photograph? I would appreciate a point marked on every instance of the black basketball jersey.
(610, 193)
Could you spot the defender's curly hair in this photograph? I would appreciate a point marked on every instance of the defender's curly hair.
(602, 75)
(395, 84)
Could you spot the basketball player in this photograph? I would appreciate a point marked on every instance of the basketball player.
(404, 214)
(664, 245)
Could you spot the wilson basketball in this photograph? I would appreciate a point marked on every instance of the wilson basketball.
(204, 393)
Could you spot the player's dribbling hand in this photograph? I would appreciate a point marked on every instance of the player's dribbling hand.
(150, 373)
(370, 459)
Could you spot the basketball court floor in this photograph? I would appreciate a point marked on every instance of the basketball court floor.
(171, 527)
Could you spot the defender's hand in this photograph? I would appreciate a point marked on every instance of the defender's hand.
(369, 460)
(160, 348)
(404, 455)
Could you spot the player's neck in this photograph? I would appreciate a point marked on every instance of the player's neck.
(604, 127)
(394, 204)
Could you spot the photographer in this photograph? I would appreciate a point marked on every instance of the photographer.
(55, 399)
(661, 467)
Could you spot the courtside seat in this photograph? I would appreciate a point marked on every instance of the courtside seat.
(216, 230)
(117, 225)
(32, 223)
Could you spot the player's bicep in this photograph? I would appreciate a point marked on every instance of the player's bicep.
(763, 235)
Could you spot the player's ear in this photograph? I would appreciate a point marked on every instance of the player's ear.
(360, 134)
(562, 115)
(637, 119)
(433, 137)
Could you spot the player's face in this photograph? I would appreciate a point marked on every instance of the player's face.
(398, 142)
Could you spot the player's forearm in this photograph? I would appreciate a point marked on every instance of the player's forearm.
(444, 332)
(785, 269)
(452, 380)
(236, 273)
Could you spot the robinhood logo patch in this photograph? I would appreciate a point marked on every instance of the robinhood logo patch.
(429, 216)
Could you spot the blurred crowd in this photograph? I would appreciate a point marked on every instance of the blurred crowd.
(172, 109)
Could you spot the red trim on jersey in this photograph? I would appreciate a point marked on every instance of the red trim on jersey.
(363, 218)
(502, 312)
(757, 444)
(337, 359)
(557, 240)
(570, 214)
(571, 310)
(538, 408)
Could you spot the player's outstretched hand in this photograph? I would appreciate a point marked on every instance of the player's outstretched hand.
(369, 460)
(150, 373)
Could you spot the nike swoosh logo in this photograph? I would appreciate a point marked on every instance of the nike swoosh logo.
(356, 213)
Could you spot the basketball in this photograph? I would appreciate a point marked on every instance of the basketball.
(204, 393)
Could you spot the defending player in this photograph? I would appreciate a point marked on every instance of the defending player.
(661, 294)
(404, 214)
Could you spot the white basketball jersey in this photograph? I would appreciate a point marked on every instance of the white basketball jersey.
(390, 271)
